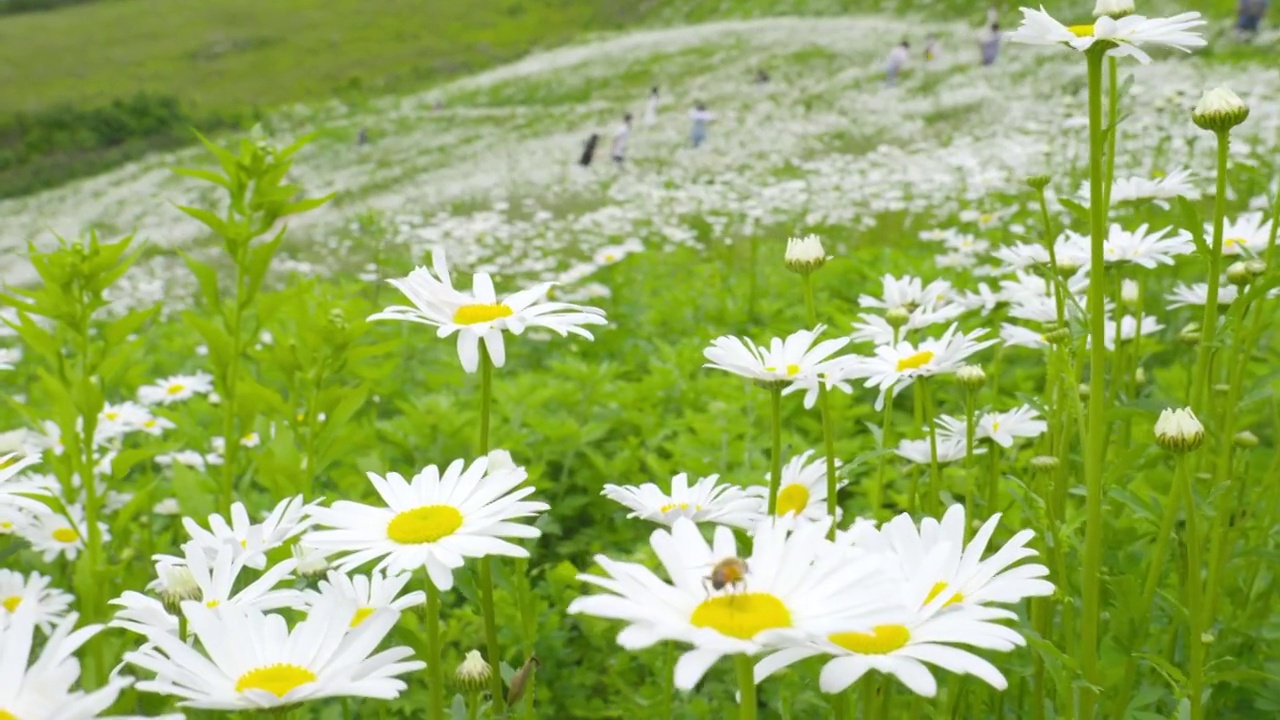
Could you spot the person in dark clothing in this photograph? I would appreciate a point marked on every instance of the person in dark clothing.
(589, 150)
(1249, 17)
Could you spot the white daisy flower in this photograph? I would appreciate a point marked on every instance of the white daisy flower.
(897, 366)
(9, 357)
(1002, 427)
(433, 520)
(1246, 234)
(1146, 249)
(176, 389)
(1197, 294)
(1159, 190)
(245, 660)
(369, 593)
(708, 500)
(1129, 329)
(212, 579)
(908, 293)
(788, 581)
(13, 520)
(796, 358)
(1125, 37)
(478, 314)
(13, 489)
(52, 534)
(920, 451)
(41, 690)
(802, 491)
(51, 604)
(287, 520)
(1019, 336)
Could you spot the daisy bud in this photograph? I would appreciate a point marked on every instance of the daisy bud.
(804, 255)
(177, 585)
(472, 676)
(1245, 439)
(1083, 390)
(1129, 294)
(897, 317)
(1190, 334)
(521, 680)
(1067, 267)
(1220, 110)
(971, 377)
(1055, 335)
(1256, 268)
(1238, 274)
(1221, 389)
(1140, 377)
(1178, 430)
(1038, 182)
(1114, 9)
(1207, 638)
(500, 460)
(310, 562)
(1044, 464)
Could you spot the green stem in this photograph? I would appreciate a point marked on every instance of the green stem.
(230, 383)
(1195, 610)
(746, 686)
(1113, 117)
(993, 479)
(485, 564)
(775, 468)
(1097, 422)
(1209, 328)
(751, 279)
(886, 443)
(828, 426)
(935, 470)
(435, 663)
(970, 422)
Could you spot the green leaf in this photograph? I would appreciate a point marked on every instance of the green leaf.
(219, 342)
(210, 220)
(125, 326)
(208, 279)
(259, 261)
(206, 175)
(1171, 673)
(1080, 211)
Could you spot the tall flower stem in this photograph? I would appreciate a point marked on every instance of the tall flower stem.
(970, 421)
(485, 565)
(435, 663)
(1113, 118)
(935, 470)
(746, 686)
(828, 427)
(1097, 422)
(886, 442)
(1209, 328)
(775, 459)
(1195, 611)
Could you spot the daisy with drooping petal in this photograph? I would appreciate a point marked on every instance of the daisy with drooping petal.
(708, 500)
(370, 593)
(287, 520)
(1246, 234)
(920, 451)
(789, 360)
(1124, 37)
(243, 659)
(12, 489)
(176, 389)
(478, 315)
(1147, 249)
(1129, 329)
(789, 581)
(1197, 294)
(803, 490)
(433, 520)
(1019, 336)
(51, 604)
(897, 366)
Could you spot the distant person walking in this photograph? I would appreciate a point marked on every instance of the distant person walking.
(898, 58)
(589, 150)
(620, 138)
(701, 117)
(931, 48)
(651, 108)
(989, 43)
(1249, 17)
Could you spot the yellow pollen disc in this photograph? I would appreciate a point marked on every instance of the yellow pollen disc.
(361, 615)
(939, 588)
(244, 544)
(995, 427)
(425, 524)
(6, 525)
(793, 499)
(793, 370)
(11, 603)
(679, 506)
(175, 389)
(275, 679)
(1235, 241)
(6, 715)
(480, 313)
(915, 362)
(882, 640)
(986, 218)
(1081, 30)
(742, 615)
(149, 424)
(65, 535)
(113, 416)
(213, 603)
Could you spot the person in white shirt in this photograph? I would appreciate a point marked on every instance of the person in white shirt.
(700, 117)
(989, 43)
(898, 57)
(619, 149)
(651, 109)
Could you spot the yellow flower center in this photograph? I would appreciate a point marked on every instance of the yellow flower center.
(112, 416)
(882, 640)
(149, 424)
(995, 427)
(175, 388)
(1081, 30)
(915, 362)
(742, 615)
(7, 461)
(679, 506)
(213, 604)
(361, 615)
(6, 715)
(1230, 242)
(792, 370)
(425, 524)
(11, 603)
(66, 535)
(939, 588)
(481, 313)
(6, 526)
(793, 499)
(278, 680)
(985, 219)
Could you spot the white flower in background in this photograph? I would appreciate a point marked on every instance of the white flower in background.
(13, 520)
(287, 520)
(1245, 234)
(9, 357)
(245, 660)
(611, 254)
(920, 451)
(908, 293)
(41, 690)
(1124, 37)
(212, 580)
(1159, 190)
(805, 255)
(1115, 9)
(434, 520)
(369, 593)
(176, 389)
(189, 458)
(983, 299)
(51, 604)
(1129, 329)
(802, 492)
(1146, 249)
(52, 534)
(794, 359)
(1021, 256)
(167, 506)
(309, 562)
(708, 500)
(790, 580)
(1179, 430)
(1197, 294)
(478, 315)
(13, 488)
(1019, 336)
(1003, 428)
(897, 366)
